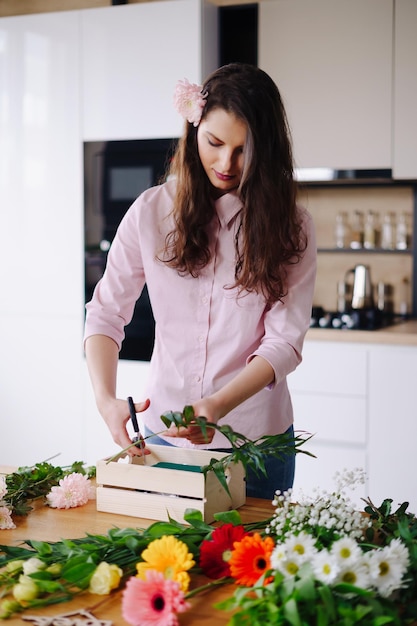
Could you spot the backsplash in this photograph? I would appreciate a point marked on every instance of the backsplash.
(393, 267)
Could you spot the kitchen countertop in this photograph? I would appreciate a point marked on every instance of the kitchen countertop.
(400, 334)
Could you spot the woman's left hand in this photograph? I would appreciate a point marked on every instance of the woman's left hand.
(206, 408)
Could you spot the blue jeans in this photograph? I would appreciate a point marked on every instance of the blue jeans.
(280, 472)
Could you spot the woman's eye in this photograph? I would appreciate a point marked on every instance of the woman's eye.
(214, 143)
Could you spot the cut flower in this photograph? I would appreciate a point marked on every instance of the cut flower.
(152, 601)
(73, 490)
(189, 101)
(6, 522)
(105, 578)
(251, 558)
(169, 556)
(216, 552)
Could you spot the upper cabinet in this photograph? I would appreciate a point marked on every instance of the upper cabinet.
(405, 90)
(332, 61)
(133, 56)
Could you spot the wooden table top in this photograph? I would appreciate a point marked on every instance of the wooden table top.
(47, 524)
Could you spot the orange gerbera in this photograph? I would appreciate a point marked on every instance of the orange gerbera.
(251, 558)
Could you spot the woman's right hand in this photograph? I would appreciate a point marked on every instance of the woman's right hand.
(115, 413)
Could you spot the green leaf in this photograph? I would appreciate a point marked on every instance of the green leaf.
(291, 612)
(228, 517)
(78, 571)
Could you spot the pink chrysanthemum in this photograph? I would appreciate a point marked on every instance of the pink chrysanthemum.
(3, 487)
(152, 601)
(189, 101)
(73, 490)
(6, 522)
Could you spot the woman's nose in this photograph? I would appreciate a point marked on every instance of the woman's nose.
(226, 160)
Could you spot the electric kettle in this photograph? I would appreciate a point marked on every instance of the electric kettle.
(362, 293)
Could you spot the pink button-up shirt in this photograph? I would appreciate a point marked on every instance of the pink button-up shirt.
(203, 336)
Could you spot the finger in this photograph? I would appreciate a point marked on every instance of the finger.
(142, 406)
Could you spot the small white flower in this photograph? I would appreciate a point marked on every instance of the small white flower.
(325, 567)
(356, 573)
(301, 547)
(387, 567)
(346, 550)
(279, 554)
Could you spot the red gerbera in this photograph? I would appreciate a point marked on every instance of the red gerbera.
(215, 552)
(250, 559)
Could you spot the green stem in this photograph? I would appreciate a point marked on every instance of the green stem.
(211, 585)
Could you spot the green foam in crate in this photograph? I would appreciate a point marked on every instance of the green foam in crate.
(179, 466)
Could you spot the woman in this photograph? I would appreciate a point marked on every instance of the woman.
(229, 260)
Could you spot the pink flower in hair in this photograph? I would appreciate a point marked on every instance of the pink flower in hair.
(189, 101)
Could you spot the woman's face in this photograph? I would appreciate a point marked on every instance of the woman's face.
(221, 138)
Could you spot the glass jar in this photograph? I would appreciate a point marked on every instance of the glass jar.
(370, 231)
(387, 232)
(341, 230)
(356, 234)
(401, 239)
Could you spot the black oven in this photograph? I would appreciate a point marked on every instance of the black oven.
(115, 173)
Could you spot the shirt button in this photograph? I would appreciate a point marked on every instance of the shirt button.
(197, 379)
(204, 300)
(201, 338)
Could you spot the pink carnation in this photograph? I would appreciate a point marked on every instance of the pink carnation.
(3, 487)
(189, 101)
(153, 601)
(6, 522)
(73, 490)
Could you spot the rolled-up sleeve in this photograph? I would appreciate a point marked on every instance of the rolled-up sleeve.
(112, 305)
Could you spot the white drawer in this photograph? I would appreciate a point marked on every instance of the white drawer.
(331, 418)
(331, 367)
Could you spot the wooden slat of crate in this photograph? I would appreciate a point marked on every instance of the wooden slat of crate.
(147, 505)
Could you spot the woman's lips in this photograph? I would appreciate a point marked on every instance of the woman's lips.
(223, 177)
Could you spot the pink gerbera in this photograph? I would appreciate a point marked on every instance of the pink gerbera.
(152, 601)
(73, 490)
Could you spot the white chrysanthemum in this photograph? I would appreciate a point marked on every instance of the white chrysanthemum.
(356, 573)
(387, 567)
(399, 552)
(301, 547)
(289, 567)
(278, 555)
(346, 550)
(325, 567)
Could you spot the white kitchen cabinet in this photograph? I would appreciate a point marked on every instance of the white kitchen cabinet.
(359, 401)
(66, 77)
(133, 55)
(393, 424)
(332, 61)
(330, 393)
(405, 90)
(41, 273)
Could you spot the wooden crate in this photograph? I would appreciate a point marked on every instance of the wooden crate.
(128, 487)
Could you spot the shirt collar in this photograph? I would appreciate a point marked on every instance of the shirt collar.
(227, 207)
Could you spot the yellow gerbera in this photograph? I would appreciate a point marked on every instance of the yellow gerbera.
(169, 556)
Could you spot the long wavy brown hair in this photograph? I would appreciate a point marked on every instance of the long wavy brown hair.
(269, 237)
